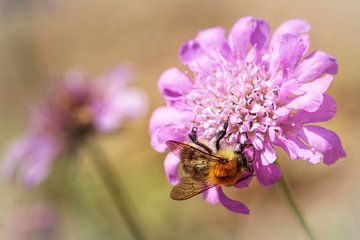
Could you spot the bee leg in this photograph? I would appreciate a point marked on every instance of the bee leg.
(250, 168)
(193, 137)
(220, 135)
(245, 162)
(241, 149)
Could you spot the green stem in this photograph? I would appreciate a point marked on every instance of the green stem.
(116, 190)
(284, 188)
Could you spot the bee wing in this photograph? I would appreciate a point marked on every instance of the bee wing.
(188, 188)
(180, 149)
(195, 162)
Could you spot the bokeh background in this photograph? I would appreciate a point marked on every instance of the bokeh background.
(40, 39)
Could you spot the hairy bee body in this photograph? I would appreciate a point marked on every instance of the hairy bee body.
(205, 170)
(227, 172)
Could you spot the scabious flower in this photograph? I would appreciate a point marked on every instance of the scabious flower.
(270, 89)
(75, 109)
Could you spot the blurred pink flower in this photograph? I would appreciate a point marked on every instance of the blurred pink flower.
(39, 221)
(269, 89)
(75, 109)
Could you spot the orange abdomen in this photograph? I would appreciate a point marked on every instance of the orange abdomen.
(226, 173)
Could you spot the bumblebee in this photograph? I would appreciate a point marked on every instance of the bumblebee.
(205, 168)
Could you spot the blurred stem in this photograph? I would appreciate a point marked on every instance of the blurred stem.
(116, 189)
(284, 189)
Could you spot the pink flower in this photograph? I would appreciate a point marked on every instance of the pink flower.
(270, 90)
(75, 109)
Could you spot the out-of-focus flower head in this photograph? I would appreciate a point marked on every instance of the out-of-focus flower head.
(39, 221)
(75, 109)
(271, 90)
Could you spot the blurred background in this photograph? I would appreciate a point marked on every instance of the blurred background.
(40, 39)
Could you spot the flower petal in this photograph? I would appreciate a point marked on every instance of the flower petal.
(319, 85)
(171, 163)
(244, 183)
(248, 32)
(288, 146)
(211, 38)
(202, 53)
(324, 113)
(14, 155)
(173, 84)
(232, 205)
(44, 150)
(212, 195)
(190, 51)
(324, 141)
(267, 175)
(291, 49)
(168, 123)
(315, 65)
(312, 97)
(303, 151)
(292, 26)
(35, 173)
(126, 104)
(309, 102)
(268, 154)
(33, 156)
(117, 78)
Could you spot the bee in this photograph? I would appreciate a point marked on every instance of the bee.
(205, 169)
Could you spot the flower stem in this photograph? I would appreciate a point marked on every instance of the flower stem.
(116, 190)
(284, 188)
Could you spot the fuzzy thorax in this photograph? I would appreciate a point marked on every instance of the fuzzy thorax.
(227, 172)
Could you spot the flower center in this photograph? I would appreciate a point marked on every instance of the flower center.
(244, 94)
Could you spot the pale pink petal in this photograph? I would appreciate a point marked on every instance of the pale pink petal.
(315, 65)
(303, 151)
(31, 157)
(173, 84)
(111, 111)
(131, 103)
(190, 51)
(212, 195)
(167, 123)
(291, 49)
(267, 175)
(319, 85)
(38, 163)
(258, 143)
(309, 102)
(248, 32)
(35, 173)
(167, 116)
(260, 37)
(211, 38)
(312, 97)
(116, 79)
(232, 205)
(171, 163)
(288, 88)
(288, 146)
(14, 155)
(324, 141)
(202, 53)
(292, 26)
(324, 113)
(268, 154)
